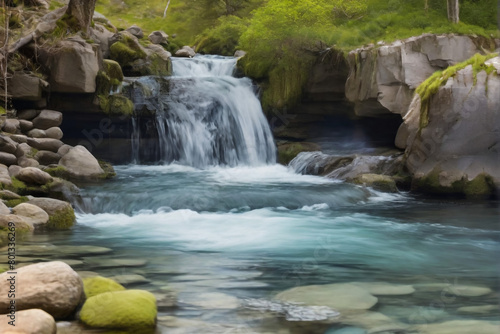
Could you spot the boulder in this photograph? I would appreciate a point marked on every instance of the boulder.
(61, 214)
(63, 150)
(24, 149)
(120, 310)
(289, 150)
(51, 286)
(28, 162)
(379, 182)
(19, 138)
(4, 175)
(4, 209)
(32, 175)
(26, 86)
(102, 36)
(45, 144)
(136, 31)
(14, 170)
(240, 53)
(37, 133)
(32, 214)
(73, 68)
(452, 145)
(47, 158)
(22, 226)
(94, 286)
(8, 195)
(7, 159)
(158, 37)
(54, 132)
(7, 145)
(382, 78)
(186, 52)
(25, 125)
(11, 126)
(27, 114)
(81, 164)
(33, 321)
(48, 119)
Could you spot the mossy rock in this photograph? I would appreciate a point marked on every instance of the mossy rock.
(126, 51)
(109, 171)
(288, 151)
(15, 202)
(62, 219)
(378, 182)
(59, 171)
(116, 104)
(482, 186)
(94, 286)
(113, 69)
(127, 309)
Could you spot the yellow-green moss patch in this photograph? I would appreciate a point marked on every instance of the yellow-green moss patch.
(62, 219)
(126, 50)
(94, 286)
(120, 310)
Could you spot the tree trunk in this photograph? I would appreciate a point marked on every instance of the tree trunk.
(453, 11)
(82, 11)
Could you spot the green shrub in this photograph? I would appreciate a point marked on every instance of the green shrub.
(223, 38)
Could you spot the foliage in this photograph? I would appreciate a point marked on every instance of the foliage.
(222, 39)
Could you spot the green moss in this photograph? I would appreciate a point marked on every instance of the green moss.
(14, 202)
(481, 186)
(158, 66)
(94, 286)
(109, 171)
(59, 171)
(18, 186)
(113, 70)
(120, 310)
(2, 111)
(126, 51)
(430, 86)
(116, 104)
(66, 26)
(62, 219)
(288, 151)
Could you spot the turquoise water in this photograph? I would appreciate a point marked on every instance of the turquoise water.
(247, 234)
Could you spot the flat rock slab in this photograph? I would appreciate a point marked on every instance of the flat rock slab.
(456, 290)
(215, 300)
(115, 263)
(338, 297)
(461, 327)
(386, 289)
(130, 279)
(483, 309)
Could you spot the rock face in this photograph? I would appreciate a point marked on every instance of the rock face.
(80, 163)
(51, 286)
(26, 86)
(34, 321)
(382, 79)
(453, 135)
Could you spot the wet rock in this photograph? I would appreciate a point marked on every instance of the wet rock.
(52, 286)
(374, 321)
(31, 214)
(454, 289)
(47, 119)
(483, 309)
(288, 151)
(379, 182)
(32, 175)
(158, 37)
(460, 327)
(335, 296)
(33, 321)
(130, 279)
(215, 300)
(115, 263)
(80, 163)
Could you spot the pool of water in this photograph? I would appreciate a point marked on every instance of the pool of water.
(223, 242)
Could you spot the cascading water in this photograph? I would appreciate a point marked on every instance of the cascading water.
(203, 115)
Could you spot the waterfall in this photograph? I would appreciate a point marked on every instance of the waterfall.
(202, 115)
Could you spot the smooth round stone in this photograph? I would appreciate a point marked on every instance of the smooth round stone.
(370, 320)
(386, 289)
(483, 309)
(456, 290)
(460, 327)
(215, 300)
(113, 263)
(335, 296)
(130, 279)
